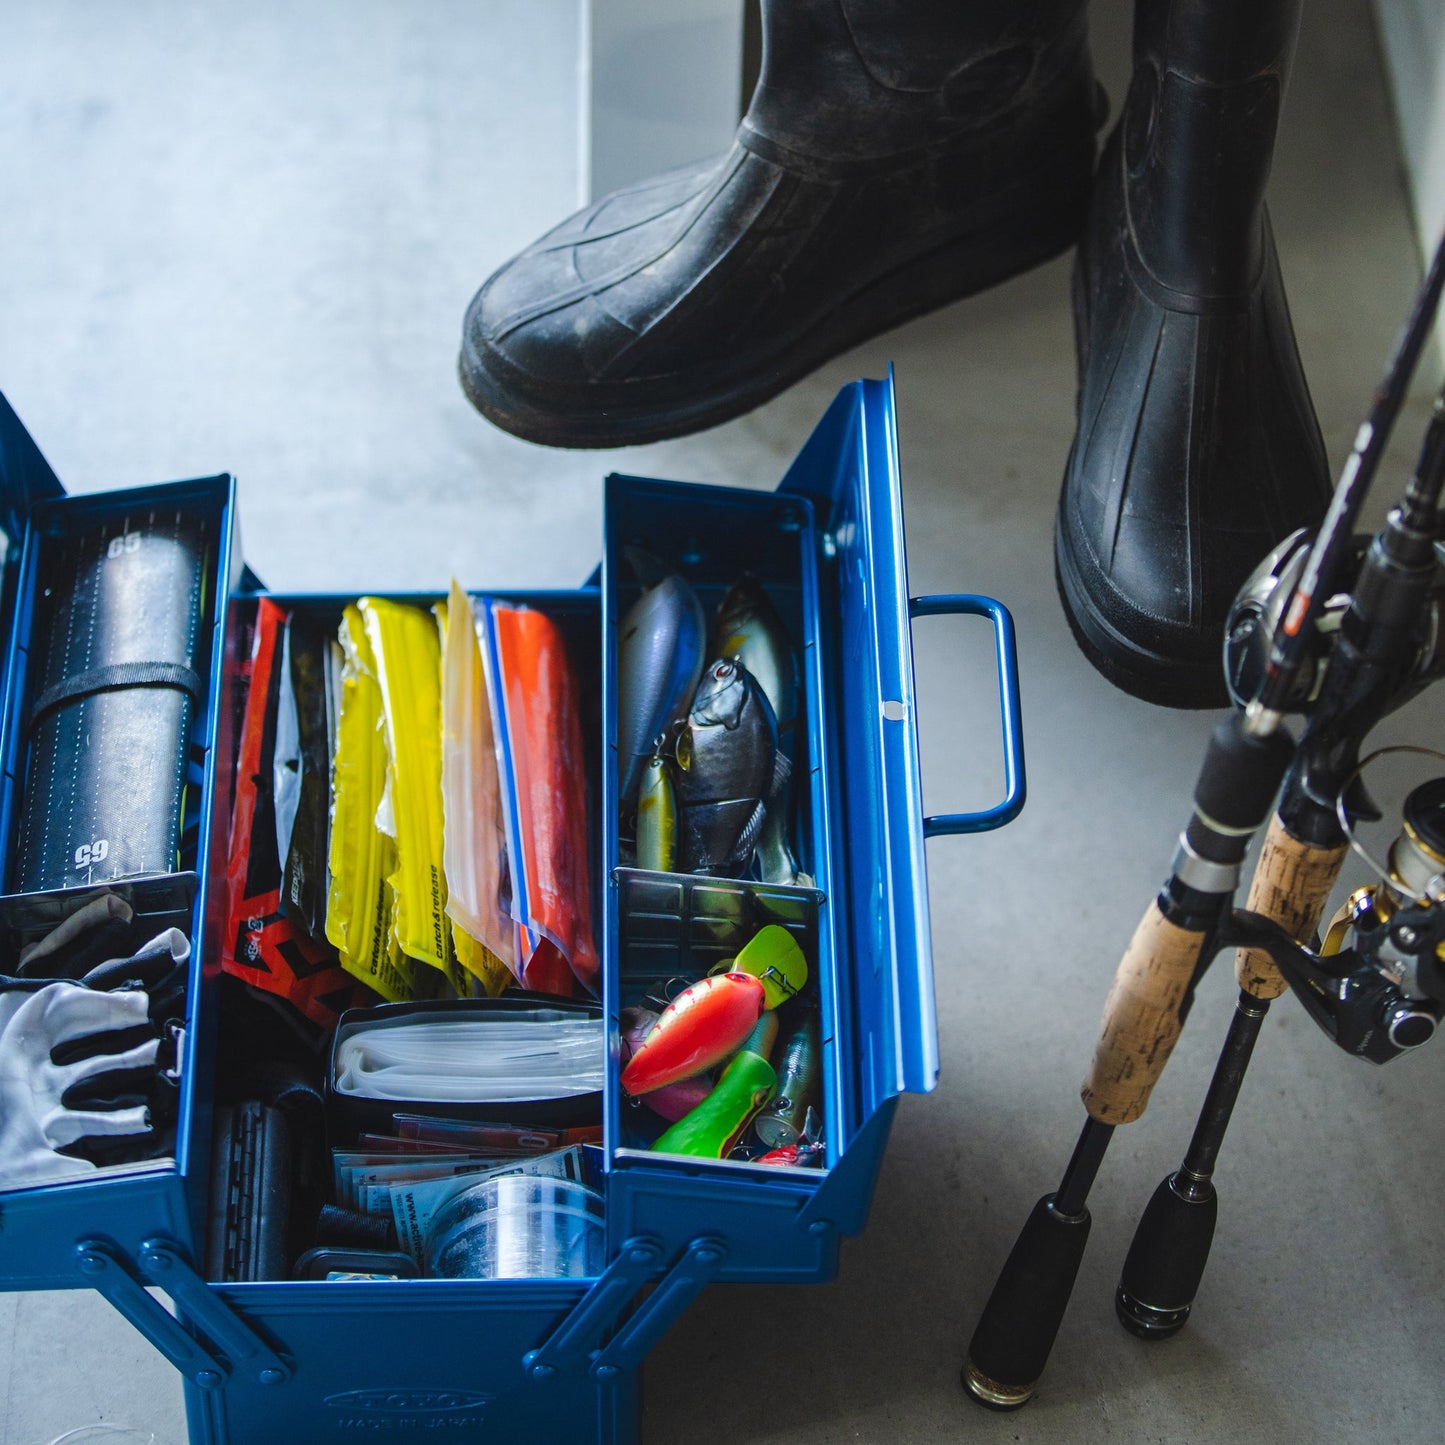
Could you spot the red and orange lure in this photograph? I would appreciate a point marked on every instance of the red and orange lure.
(703, 1025)
(710, 1019)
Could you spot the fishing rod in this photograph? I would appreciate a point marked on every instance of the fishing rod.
(1355, 639)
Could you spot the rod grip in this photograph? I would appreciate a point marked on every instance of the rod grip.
(1142, 1018)
(1291, 885)
(1016, 1331)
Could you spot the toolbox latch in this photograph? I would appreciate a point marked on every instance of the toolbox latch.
(163, 1264)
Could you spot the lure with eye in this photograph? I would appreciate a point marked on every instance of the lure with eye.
(672, 1101)
(712, 1018)
(703, 1025)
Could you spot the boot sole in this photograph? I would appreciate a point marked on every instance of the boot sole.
(912, 290)
(1142, 672)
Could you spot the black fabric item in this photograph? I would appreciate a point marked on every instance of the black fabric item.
(111, 679)
(1197, 446)
(120, 603)
(896, 156)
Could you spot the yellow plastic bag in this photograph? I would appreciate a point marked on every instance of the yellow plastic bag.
(360, 903)
(406, 650)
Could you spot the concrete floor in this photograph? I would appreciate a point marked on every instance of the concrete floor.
(245, 241)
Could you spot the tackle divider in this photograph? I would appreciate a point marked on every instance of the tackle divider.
(966, 604)
(1292, 883)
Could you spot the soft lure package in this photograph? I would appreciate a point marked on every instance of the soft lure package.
(412, 807)
(542, 766)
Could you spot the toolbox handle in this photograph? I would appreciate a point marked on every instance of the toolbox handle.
(968, 604)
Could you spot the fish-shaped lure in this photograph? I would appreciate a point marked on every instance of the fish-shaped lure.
(711, 1129)
(728, 764)
(657, 817)
(800, 1078)
(676, 1100)
(710, 1019)
(659, 659)
(747, 629)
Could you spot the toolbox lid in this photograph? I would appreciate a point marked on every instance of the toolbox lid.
(25, 479)
(849, 469)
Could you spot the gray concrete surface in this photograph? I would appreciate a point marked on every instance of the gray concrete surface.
(244, 237)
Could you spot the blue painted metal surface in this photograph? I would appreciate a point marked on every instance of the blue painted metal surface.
(543, 1360)
(39, 1227)
(968, 604)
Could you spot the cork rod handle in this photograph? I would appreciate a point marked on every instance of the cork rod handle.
(1292, 884)
(1141, 1018)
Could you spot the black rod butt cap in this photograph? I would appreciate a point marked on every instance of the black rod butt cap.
(1016, 1330)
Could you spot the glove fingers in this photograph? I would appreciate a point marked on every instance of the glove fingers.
(71, 1013)
(141, 1056)
(65, 1126)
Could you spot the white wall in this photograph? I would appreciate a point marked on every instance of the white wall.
(1413, 35)
(663, 86)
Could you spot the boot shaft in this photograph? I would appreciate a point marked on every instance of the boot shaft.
(1199, 132)
(845, 82)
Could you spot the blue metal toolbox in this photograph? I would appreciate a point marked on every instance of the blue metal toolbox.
(547, 1359)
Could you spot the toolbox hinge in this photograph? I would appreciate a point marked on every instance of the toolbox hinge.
(677, 1289)
(162, 1264)
(577, 1336)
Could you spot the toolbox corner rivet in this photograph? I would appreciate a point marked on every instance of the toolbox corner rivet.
(821, 1226)
(543, 1372)
(91, 1264)
(605, 1372)
(639, 1256)
(208, 1379)
(707, 1256)
(272, 1377)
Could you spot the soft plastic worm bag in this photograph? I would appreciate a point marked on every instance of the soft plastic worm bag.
(474, 838)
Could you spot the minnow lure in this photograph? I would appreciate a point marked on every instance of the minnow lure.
(712, 1128)
(711, 1019)
(657, 818)
(659, 660)
(799, 1087)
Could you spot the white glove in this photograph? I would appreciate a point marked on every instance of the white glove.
(34, 1121)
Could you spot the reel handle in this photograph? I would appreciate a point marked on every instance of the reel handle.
(1292, 883)
(1143, 1017)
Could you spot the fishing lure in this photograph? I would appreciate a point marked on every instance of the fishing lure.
(657, 817)
(747, 629)
(801, 1153)
(674, 1100)
(659, 660)
(799, 1087)
(711, 1130)
(728, 763)
(712, 1018)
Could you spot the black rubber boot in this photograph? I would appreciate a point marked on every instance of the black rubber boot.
(1197, 446)
(897, 155)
